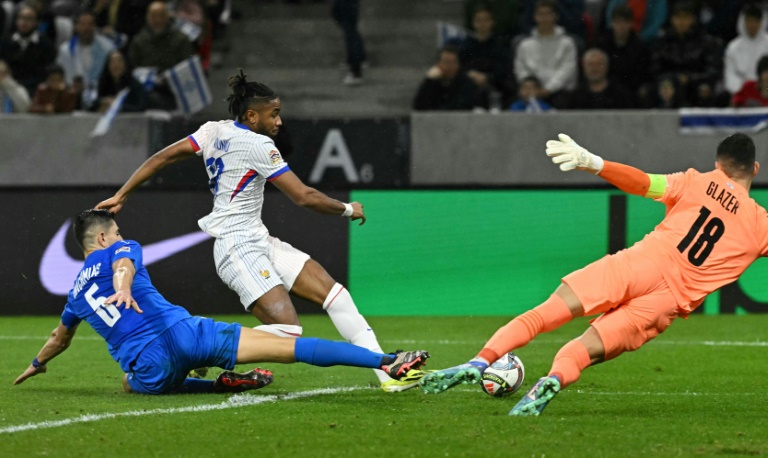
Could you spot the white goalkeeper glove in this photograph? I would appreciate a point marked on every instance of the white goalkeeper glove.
(569, 155)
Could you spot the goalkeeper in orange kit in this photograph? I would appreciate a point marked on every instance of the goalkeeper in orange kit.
(711, 233)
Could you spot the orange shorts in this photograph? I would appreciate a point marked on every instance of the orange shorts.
(633, 297)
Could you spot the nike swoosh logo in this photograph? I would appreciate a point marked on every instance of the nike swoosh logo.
(58, 269)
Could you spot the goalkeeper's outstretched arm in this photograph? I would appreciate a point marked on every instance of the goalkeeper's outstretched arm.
(570, 156)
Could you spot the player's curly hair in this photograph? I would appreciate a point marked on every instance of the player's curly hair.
(245, 94)
(87, 220)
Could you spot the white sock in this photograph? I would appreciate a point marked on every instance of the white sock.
(281, 330)
(351, 324)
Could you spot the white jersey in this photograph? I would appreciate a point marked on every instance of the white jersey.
(239, 162)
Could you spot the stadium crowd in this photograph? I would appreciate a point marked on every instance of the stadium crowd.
(58, 56)
(535, 55)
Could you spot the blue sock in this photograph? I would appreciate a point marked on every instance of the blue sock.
(324, 353)
(196, 385)
(482, 365)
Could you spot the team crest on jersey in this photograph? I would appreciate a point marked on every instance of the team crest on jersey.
(265, 273)
(275, 156)
(125, 249)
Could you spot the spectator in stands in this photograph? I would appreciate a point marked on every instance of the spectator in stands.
(119, 16)
(743, 53)
(648, 16)
(720, 17)
(14, 98)
(84, 55)
(116, 77)
(485, 56)
(54, 95)
(528, 93)
(598, 92)
(160, 46)
(667, 95)
(46, 23)
(27, 52)
(694, 57)
(446, 87)
(506, 14)
(548, 53)
(628, 57)
(570, 16)
(346, 14)
(754, 93)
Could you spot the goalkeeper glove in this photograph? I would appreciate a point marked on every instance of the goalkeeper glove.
(570, 155)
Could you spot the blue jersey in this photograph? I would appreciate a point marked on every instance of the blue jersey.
(126, 331)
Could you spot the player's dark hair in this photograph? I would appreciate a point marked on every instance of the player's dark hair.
(87, 220)
(736, 154)
(246, 94)
(753, 11)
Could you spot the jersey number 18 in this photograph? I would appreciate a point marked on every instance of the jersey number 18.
(703, 246)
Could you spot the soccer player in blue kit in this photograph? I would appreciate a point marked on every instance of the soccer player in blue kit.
(157, 343)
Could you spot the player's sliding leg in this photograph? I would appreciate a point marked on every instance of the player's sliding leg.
(316, 285)
(566, 369)
(560, 308)
(258, 346)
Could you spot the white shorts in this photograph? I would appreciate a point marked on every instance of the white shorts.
(250, 270)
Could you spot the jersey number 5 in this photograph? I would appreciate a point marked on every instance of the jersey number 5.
(110, 314)
(703, 246)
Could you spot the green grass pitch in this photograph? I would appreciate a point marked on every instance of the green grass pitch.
(697, 390)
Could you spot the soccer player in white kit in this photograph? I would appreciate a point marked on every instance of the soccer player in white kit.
(240, 158)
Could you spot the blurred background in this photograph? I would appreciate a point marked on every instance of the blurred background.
(432, 113)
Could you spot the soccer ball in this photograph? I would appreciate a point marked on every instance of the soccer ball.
(503, 377)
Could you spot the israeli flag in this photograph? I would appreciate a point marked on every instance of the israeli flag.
(105, 121)
(722, 120)
(449, 33)
(190, 29)
(189, 85)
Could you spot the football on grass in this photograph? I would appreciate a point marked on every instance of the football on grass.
(503, 377)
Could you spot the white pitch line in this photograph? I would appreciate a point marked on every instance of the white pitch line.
(704, 343)
(238, 400)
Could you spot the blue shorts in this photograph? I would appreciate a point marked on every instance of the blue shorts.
(164, 363)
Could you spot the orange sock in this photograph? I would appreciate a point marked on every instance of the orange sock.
(569, 362)
(548, 316)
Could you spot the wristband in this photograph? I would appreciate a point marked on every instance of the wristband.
(348, 210)
(37, 364)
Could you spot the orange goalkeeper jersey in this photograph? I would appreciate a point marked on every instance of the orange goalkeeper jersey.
(711, 233)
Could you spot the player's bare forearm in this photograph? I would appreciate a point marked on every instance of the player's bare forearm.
(122, 281)
(57, 343)
(178, 151)
(310, 198)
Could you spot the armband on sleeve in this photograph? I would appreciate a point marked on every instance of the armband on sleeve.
(658, 186)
